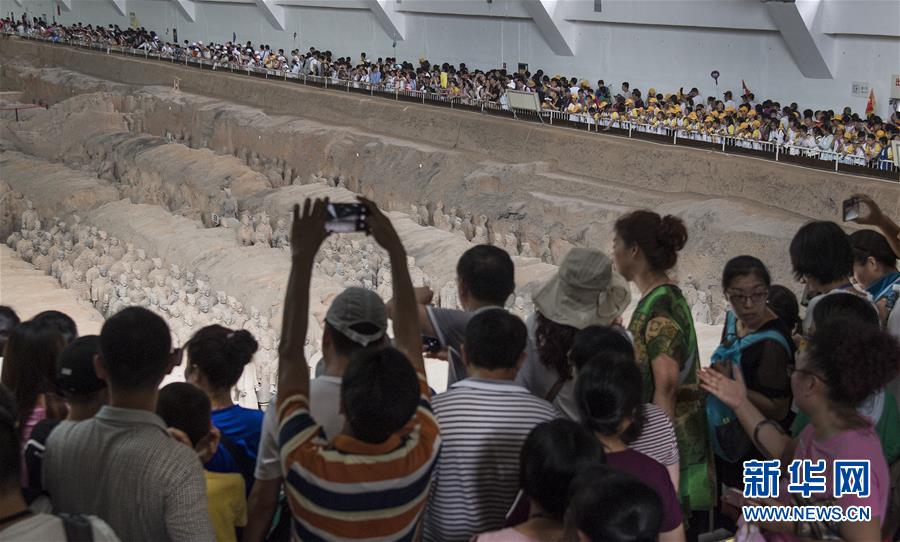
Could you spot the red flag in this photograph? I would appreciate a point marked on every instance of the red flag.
(746, 90)
(870, 105)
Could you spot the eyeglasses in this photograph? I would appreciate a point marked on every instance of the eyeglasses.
(755, 298)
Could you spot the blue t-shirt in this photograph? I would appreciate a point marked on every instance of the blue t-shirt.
(242, 428)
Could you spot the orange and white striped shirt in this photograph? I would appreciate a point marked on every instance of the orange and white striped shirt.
(354, 490)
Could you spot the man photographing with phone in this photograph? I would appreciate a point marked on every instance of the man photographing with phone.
(374, 477)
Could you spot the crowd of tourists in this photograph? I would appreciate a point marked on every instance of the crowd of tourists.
(859, 138)
(570, 425)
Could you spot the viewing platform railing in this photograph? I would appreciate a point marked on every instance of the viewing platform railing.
(808, 157)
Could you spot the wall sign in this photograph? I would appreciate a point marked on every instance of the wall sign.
(860, 89)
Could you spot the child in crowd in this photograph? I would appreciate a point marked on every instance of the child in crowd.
(186, 409)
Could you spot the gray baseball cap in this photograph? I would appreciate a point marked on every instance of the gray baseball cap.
(356, 306)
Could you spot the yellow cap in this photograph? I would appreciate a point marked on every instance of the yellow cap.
(879, 134)
(692, 116)
(629, 101)
(651, 91)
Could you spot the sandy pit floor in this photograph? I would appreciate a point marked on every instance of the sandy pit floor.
(29, 292)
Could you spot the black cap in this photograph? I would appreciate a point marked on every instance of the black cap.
(75, 368)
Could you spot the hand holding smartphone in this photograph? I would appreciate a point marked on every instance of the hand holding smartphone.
(346, 218)
(851, 209)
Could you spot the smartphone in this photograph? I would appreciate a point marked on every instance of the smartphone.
(851, 209)
(346, 218)
(432, 344)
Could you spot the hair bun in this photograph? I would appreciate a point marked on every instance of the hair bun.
(672, 233)
(240, 346)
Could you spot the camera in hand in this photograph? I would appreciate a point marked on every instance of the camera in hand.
(432, 344)
(851, 209)
(346, 218)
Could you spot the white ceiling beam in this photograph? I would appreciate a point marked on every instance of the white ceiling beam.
(120, 6)
(557, 31)
(393, 21)
(273, 13)
(188, 9)
(798, 22)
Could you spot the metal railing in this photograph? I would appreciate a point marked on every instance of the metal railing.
(585, 121)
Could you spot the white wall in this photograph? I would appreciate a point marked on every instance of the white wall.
(661, 43)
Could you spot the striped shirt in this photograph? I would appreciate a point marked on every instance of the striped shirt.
(354, 490)
(483, 426)
(657, 440)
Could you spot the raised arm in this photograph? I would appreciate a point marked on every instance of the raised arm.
(307, 234)
(424, 297)
(407, 331)
(876, 217)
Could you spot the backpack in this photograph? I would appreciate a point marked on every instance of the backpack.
(728, 439)
(246, 464)
(34, 453)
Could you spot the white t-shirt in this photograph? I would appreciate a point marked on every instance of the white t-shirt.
(325, 407)
(43, 527)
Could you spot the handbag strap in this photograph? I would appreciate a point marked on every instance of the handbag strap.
(554, 391)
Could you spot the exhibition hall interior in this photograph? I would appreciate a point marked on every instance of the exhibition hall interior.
(450, 270)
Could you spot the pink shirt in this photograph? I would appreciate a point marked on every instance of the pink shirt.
(860, 443)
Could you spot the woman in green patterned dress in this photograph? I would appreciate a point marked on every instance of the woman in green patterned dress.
(644, 250)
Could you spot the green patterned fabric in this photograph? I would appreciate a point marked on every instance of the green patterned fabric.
(662, 324)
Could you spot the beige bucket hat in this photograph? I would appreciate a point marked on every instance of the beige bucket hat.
(585, 291)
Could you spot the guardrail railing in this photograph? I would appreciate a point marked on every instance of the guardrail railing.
(623, 126)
